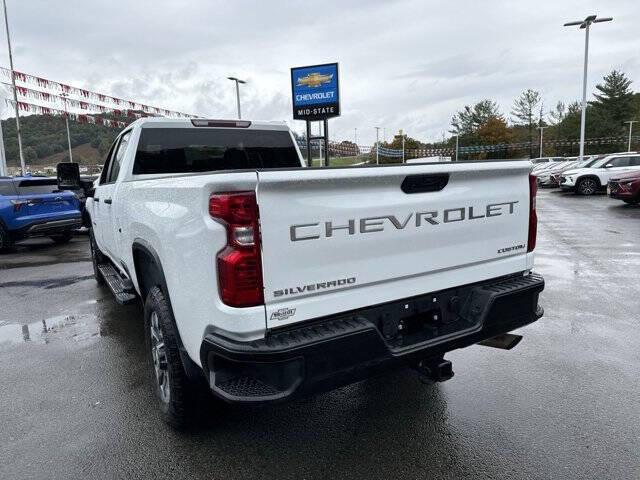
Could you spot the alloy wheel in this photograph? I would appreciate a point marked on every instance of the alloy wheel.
(588, 186)
(159, 355)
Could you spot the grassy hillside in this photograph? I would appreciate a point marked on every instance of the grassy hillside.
(83, 154)
(44, 140)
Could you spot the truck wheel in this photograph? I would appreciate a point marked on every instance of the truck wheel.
(96, 258)
(62, 238)
(5, 241)
(587, 186)
(173, 390)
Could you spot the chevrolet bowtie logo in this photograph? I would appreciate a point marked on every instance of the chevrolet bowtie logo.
(314, 79)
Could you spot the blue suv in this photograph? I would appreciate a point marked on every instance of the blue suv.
(34, 206)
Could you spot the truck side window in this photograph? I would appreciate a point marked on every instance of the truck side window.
(107, 163)
(116, 159)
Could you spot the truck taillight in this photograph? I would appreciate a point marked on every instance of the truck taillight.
(533, 216)
(239, 263)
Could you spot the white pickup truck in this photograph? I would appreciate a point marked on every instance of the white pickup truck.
(269, 280)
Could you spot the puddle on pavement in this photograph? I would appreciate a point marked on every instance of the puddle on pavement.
(78, 328)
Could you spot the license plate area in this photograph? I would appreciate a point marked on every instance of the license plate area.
(426, 318)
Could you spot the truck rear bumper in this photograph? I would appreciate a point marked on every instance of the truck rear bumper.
(327, 353)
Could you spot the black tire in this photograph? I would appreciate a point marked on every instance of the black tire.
(587, 186)
(6, 243)
(634, 201)
(172, 388)
(96, 258)
(62, 237)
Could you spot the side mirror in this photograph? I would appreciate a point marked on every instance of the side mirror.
(608, 165)
(68, 176)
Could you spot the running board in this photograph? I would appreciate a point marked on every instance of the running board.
(120, 287)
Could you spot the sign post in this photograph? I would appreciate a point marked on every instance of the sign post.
(316, 97)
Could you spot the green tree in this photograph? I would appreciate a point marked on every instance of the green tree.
(558, 114)
(30, 154)
(469, 119)
(615, 103)
(524, 111)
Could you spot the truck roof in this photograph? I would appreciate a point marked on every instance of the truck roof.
(151, 122)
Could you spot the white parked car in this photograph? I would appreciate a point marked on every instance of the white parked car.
(589, 180)
(267, 280)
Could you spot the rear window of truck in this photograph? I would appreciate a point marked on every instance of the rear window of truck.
(188, 150)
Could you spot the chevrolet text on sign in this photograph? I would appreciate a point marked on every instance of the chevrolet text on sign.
(315, 92)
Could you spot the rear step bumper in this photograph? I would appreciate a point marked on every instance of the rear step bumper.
(327, 353)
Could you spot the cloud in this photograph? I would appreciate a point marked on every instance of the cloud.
(409, 64)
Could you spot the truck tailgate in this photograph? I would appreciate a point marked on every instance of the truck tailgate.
(339, 239)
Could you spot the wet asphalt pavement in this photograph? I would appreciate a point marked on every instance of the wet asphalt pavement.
(76, 401)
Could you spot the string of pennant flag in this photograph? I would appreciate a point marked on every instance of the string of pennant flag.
(339, 149)
(78, 117)
(85, 99)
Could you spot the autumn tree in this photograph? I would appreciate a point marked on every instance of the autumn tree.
(494, 131)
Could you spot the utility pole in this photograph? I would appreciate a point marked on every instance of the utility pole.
(377, 144)
(585, 24)
(630, 122)
(356, 139)
(541, 132)
(23, 168)
(64, 95)
(403, 135)
(238, 81)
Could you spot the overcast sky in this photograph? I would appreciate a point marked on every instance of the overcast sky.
(406, 64)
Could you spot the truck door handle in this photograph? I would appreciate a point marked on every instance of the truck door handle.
(425, 183)
(108, 201)
(96, 199)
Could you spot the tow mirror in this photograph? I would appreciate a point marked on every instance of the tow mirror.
(68, 176)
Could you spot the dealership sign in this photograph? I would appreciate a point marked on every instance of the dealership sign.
(315, 91)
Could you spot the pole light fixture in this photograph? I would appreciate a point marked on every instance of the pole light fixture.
(66, 119)
(541, 128)
(15, 93)
(585, 24)
(238, 81)
(377, 143)
(630, 122)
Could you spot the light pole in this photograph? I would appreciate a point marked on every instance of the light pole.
(403, 135)
(630, 122)
(64, 95)
(15, 93)
(586, 23)
(3, 158)
(355, 137)
(541, 128)
(238, 81)
(457, 147)
(377, 143)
